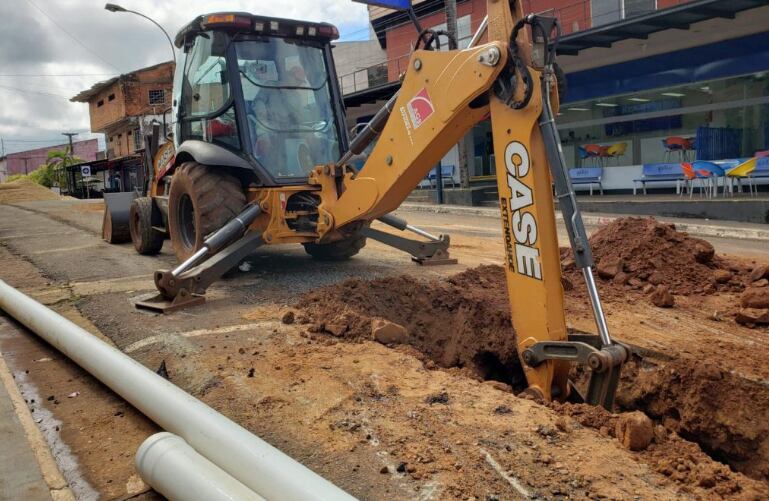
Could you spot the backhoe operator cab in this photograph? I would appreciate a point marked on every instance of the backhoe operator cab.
(258, 95)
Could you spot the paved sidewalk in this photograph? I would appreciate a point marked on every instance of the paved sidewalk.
(27, 470)
(697, 227)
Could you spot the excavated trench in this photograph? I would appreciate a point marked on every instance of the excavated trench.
(464, 322)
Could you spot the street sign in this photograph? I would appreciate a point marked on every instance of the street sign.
(390, 4)
(85, 170)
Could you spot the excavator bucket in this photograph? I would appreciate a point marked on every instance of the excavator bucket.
(117, 207)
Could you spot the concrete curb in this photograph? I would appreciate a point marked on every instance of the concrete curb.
(57, 485)
(742, 231)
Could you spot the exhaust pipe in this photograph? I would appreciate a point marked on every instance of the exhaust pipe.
(174, 469)
(249, 459)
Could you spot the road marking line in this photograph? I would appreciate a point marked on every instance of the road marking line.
(66, 249)
(502, 473)
(148, 341)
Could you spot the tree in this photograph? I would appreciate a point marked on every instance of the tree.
(53, 172)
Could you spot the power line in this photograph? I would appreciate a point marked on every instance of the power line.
(27, 91)
(73, 37)
(42, 75)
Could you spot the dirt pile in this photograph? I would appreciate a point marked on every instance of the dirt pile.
(24, 190)
(463, 321)
(642, 251)
(721, 411)
(681, 461)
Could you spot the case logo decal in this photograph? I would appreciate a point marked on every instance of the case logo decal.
(420, 108)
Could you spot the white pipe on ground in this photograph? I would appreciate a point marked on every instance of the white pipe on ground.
(252, 461)
(174, 469)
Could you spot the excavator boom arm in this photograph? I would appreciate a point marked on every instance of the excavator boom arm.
(442, 96)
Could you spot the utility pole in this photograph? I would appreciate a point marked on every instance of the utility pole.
(451, 27)
(69, 135)
(451, 23)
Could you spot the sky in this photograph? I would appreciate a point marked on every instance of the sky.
(52, 49)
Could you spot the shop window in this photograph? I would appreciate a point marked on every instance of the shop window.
(713, 120)
(464, 33)
(609, 11)
(157, 96)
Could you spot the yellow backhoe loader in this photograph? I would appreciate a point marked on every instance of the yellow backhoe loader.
(262, 157)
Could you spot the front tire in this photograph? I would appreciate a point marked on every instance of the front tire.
(146, 239)
(202, 199)
(336, 251)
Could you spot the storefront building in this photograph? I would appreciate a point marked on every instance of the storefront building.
(648, 82)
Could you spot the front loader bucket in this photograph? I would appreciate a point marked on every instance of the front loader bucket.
(114, 226)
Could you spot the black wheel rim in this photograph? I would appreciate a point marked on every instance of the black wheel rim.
(187, 221)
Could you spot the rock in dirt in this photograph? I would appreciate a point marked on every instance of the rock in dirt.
(609, 266)
(648, 289)
(662, 298)
(703, 251)
(621, 278)
(760, 283)
(722, 276)
(288, 317)
(755, 297)
(759, 272)
(634, 430)
(387, 332)
(752, 316)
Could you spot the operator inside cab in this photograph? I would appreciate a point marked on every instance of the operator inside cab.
(288, 105)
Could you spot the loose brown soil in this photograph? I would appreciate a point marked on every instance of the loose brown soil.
(711, 426)
(24, 190)
(640, 251)
(462, 322)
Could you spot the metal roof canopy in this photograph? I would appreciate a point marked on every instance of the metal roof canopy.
(640, 27)
(371, 94)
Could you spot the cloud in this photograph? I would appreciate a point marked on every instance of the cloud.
(34, 107)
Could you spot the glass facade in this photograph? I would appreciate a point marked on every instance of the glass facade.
(710, 120)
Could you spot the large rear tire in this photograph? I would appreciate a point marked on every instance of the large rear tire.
(146, 239)
(202, 199)
(336, 251)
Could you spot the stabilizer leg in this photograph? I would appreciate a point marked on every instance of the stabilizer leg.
(434, 251)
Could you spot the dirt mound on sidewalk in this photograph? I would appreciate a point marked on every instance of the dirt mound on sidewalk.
(24, 190)
(640, 251)
(462, 322)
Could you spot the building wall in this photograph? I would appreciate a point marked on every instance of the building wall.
(129, 96)
(137, 90)
(358, 63)
(35, 158)
(401, 38)
(107, 107)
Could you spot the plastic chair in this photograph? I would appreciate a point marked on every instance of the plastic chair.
(676, 144)
(712, 171)
(590, 152)
(691, 174)
(742, 171)
(616, 151)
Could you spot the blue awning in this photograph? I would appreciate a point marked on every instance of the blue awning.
(739, 56)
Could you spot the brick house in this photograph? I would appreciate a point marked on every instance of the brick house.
(123, 108)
